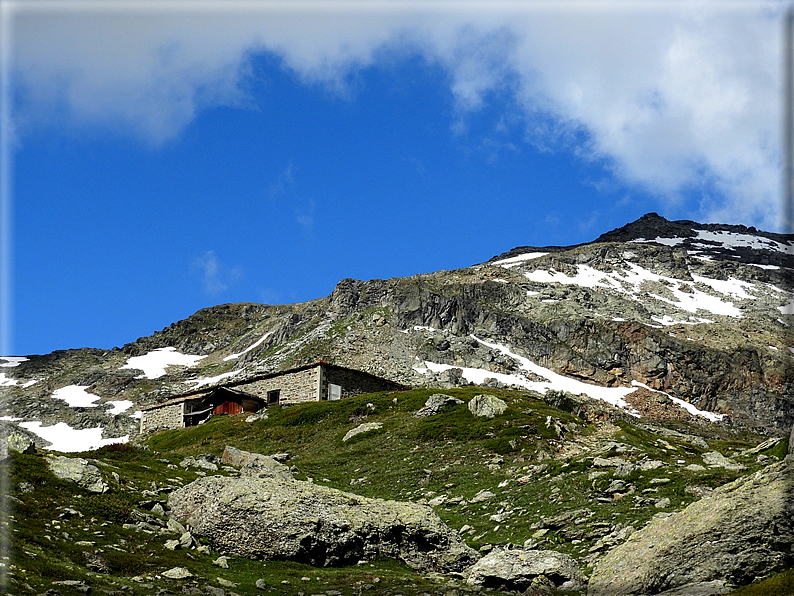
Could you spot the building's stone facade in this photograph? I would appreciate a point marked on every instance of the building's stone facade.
(304, 384)
(163, 417)
(353, 382)
(293, 387)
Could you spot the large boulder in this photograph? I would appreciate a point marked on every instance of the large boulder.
(435, 403)
(742, 531)
(78, 470)
(274, 517)
(486, 405)
(521, 570)
(255, 464)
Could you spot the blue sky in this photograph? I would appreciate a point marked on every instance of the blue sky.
(168, 157)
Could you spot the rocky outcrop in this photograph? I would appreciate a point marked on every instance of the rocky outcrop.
(364, 427)
(486, 406)
(78, 470)
(435, 403)
(274, 517)
(12, 441)
(522, 570)
(742, 531)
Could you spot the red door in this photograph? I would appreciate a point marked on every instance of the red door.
(228, 407)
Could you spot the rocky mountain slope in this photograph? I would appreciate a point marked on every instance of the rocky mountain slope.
(665, 319)
(412, 493)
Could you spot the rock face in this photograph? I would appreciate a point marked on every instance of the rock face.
(742, 531)
(486, 405)
(435, 403)
(78, 470)
(270, 516)
(361, 428)
(521, 570)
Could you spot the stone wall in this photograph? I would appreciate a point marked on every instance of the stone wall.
(164, 417)
(295, 387)
(353, 382)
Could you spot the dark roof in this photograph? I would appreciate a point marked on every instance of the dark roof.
(202, 394)
(199, 393)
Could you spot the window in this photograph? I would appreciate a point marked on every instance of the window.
(272, 396)
(334, 391)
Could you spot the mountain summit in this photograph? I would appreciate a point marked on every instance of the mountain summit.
(658, 319)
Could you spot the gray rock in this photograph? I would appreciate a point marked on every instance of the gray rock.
(712, 588)
(486, 405)
(435, 403)
(261, 584)
(221, 562)
(260, 415)
(77, 470)
(173, 544)
(791, 443)
(362, 428)
(255, 464)
(519, 569)
(186, 540)
(158, 509)
(20, 443)
(177, 573)
(176, 527)
(483, 495)
(742, 531)
(287, 519)
(206, 461)
(715, 459)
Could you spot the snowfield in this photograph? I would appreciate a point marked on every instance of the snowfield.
(556, 382)
(76, 396)
(729, 240)
(686, 296)
(69, 440)
(155, 362)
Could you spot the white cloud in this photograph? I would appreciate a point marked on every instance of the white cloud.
(215, 276)
(675, 97)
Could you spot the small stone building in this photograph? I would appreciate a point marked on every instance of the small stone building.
(312, 382)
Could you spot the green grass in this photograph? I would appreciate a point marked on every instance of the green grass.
(780, 584)
(452, 454)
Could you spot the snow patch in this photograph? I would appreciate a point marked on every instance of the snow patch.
(734, 240)
(249, 348)
(210, 380)
(554, 381)
(659, 240)
(629, 282)
(155, 362)
(76, 396)
(6, 381)
(764, 266)
(67, 439)
(10, 361)
(119, 406)
(138, 415)
(513, 261)
(668, 320)
(684, 404)
(787, 309)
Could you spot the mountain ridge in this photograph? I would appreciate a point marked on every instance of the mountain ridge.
(696, 312)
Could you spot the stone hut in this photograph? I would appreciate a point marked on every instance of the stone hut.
(319, 381)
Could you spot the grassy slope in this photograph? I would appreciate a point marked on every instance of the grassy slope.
(452, 454)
